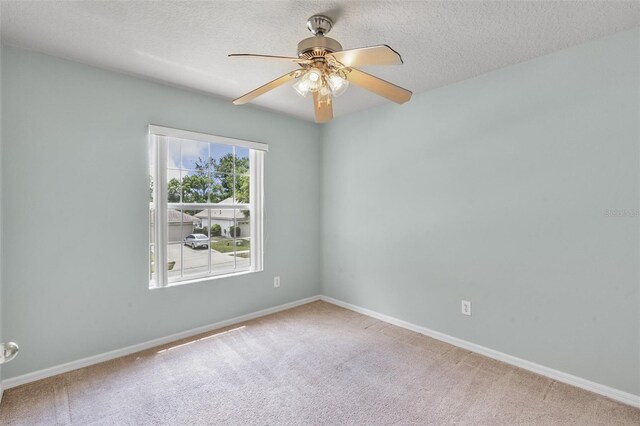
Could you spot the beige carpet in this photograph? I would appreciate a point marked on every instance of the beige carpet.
(315, 364)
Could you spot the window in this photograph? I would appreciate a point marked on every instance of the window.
(205, 206)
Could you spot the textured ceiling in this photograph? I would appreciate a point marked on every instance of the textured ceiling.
(186, 43)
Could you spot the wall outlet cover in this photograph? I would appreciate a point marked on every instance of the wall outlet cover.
(466, 307)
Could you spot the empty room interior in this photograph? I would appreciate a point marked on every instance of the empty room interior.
(320, 212)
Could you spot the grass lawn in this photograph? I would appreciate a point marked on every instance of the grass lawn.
(170, 263)
(225, 245)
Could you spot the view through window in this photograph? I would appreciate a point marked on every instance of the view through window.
(205, 216)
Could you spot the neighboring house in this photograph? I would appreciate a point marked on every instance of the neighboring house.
(180, 224)
(224, 218)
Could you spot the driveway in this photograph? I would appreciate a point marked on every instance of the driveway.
(196, 261)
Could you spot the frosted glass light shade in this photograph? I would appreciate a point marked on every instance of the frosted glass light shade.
(314, 79)
(337, 84)
(302, 86)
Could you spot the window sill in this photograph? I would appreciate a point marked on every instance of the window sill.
(207, 278)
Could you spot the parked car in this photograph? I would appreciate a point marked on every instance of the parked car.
(196, 240)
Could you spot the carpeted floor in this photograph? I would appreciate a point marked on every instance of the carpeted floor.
(315, 364)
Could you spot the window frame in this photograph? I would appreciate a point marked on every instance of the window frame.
(158, 138)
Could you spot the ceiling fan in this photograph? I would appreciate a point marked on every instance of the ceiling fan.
(326, 70)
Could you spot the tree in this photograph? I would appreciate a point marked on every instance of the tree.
(196, 188)
(224, 170)
(213, 181)
(234, 231)
(203, 230)
(174, 191)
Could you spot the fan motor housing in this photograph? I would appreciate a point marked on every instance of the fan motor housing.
(318, 43)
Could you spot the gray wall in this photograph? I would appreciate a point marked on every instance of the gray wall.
(1, 197)
(501, 183)
(75, 194)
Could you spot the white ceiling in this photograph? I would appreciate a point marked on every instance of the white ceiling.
(186, 43)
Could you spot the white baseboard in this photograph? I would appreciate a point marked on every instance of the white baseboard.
(615, 394)
(95, 359)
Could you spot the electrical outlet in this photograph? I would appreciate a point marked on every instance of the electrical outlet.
(466, 307)
(276, 282)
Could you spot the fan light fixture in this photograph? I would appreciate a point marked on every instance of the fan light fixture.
(325, 70)
(316, 80)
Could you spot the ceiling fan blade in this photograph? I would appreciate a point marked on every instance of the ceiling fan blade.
(277, 58)
(374, 55)
(323, 108)
(265, 88)
(378, 86)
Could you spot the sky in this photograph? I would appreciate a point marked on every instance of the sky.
(183, 154)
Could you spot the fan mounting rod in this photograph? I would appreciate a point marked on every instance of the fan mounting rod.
(316, 46)
(319, 25)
